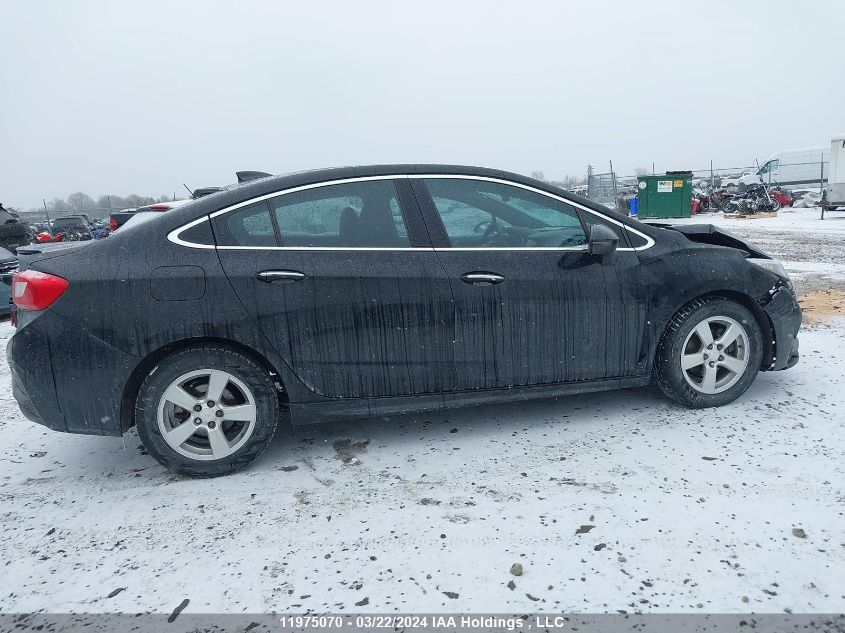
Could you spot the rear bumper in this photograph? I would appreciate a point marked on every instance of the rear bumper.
(65, 378)
(785, 315)
(28, 355)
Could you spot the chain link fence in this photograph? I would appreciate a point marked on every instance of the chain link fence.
(610, 188)
(602, 188)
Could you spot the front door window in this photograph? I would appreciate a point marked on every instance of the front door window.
(484, 214)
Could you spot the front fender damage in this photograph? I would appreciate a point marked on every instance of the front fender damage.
(784, 313)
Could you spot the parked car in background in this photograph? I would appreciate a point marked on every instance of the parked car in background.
(793, 168)
(729, 183)
(119, 218)
(367, 291)
(13, 232)
(8, 266)
(140, 218)
(72, 227)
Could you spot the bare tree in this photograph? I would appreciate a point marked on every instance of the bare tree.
(80, 201)
(108, 201)
(60, 205)
(134, 200)
(538, 175)
(642, 171)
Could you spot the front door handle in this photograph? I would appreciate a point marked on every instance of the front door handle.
(482, 279)
(279, 276)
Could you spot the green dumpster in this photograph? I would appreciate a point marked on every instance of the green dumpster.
(666, 196)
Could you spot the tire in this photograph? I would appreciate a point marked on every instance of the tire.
(733, 368)
(207, 428)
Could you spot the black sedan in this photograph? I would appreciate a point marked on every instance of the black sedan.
(368, 291)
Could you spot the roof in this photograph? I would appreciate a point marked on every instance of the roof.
(270, 184)
(233, 194)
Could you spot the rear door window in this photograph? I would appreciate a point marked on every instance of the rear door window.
(250, 225)
(363, 214)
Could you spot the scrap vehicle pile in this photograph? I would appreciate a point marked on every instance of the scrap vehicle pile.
(751, 199)
(754, 198)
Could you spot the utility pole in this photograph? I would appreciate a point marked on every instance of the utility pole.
(821, 183)
(46, 213)
(821, 174)
(612, 179)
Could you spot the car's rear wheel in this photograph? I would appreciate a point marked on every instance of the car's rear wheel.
(206, 411)
(710, 353)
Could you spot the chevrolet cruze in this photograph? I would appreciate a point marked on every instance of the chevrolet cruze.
(364, 291)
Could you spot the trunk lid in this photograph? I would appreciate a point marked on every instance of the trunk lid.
(27, 255)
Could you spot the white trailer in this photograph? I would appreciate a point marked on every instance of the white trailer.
(834, 195)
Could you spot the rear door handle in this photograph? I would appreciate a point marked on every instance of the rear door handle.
(482, 279)
(280, 276)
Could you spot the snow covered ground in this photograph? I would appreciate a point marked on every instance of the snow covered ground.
(612, 501)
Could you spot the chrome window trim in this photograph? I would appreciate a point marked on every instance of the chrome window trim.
(173, 236)
(324, 248)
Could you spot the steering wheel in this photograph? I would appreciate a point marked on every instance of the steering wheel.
(490, 228)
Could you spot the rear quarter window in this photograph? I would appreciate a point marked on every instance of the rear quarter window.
(248, 226)
(198, 234)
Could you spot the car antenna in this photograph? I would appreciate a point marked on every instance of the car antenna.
(189, 190)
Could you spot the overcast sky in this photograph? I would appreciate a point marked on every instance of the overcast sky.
(138, 97)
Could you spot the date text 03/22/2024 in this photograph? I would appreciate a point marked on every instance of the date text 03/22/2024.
(444, 622)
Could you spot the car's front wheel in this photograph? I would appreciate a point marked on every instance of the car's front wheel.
(206, 411)
(710, 354)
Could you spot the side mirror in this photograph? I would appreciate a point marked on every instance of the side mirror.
(602, 241)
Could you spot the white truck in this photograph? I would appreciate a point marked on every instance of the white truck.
(834, 195)
(805, 168)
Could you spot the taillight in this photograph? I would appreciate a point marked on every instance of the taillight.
(158, 207)
(34, 290)
(112, 224)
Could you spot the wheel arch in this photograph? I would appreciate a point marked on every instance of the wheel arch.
(745, 300)
(136, 378)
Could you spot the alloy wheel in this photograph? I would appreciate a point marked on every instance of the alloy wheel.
(206, 414)
(715, 355)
